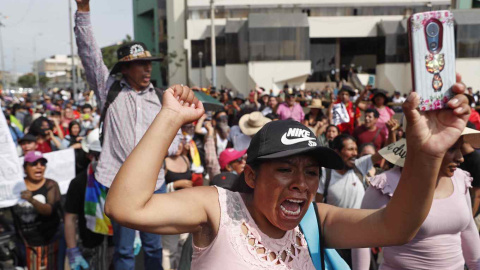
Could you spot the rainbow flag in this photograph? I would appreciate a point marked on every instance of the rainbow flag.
(95, 196)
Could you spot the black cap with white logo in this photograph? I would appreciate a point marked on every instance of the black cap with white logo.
(287, 138)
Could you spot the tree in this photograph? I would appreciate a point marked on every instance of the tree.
(109, 53)
(43, 81)
(27, 80)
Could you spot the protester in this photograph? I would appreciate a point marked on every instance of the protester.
(177, 176)
(331, 133)
(315, 119)
(471, 164)
(290, 109)
(281, 188)
(351, 111)
(379, 102)
(28, 143)
(397, 99)
(92, 251)
(442, 242)
(37, 218)
(369, 132)
(16, 133)
(73, 140)
(42, 128)
(126, 119)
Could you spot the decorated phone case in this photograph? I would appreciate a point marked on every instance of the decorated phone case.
(432, 57)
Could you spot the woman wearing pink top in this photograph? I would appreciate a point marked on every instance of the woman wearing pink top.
(259, 229)
(447, 239)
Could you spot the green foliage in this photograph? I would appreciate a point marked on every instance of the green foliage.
(27, 80)
(43, 81)
(110, 53)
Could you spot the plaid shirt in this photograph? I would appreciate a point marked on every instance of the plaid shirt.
(128, 117)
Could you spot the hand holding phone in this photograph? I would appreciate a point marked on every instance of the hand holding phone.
(432, 57)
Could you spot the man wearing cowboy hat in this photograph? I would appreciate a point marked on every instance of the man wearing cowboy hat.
(130, 106)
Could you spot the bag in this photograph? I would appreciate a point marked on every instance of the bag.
(113, 92)
(322, 258)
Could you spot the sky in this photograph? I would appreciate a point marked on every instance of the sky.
(44, 23)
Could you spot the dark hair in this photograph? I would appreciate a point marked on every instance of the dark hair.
(55, 113)
(36, 126)
(329, 126)
(365, 145)
(338, 141)
(70, 126)
(87, 106)
(218, 113)
(240, 185)
(374, 111)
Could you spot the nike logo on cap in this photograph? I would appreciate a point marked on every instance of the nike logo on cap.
(296, 132)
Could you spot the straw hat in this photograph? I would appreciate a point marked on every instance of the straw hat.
(251, 123)
(396, 153)
(316, 104)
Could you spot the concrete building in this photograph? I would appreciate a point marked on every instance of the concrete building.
(271, 43)
(59, 69)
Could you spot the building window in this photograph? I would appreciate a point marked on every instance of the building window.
(468, 40)
(271, 44)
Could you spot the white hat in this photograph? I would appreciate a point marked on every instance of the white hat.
(396, 153)
(92, 141)
(251, 123)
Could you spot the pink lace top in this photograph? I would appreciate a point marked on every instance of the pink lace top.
(240, 244)
(447, 239)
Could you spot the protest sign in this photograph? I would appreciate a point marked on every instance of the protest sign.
(340, 114)
(60, 167)
(11, 171)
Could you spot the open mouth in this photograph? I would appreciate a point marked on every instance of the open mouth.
(292, 207)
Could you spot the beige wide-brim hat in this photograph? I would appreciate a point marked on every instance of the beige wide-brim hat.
(251, 123)
(316, 104)
(396, 153)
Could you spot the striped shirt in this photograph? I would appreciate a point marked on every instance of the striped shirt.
(127, 118)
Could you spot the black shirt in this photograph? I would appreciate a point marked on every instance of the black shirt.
(75, 205)
(472, 165)
(36, 229)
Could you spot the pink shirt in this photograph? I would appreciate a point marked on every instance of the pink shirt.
(446, 240)
(296, 112)
(385, 114)
(241, 245)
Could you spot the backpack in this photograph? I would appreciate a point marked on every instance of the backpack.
(113, 93)
(322, 258)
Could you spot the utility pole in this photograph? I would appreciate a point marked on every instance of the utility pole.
(214, 49)
(74, 74)
(4, 75)
(35, 63)
(200, 57)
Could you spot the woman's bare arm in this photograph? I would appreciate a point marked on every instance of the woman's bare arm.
(130, 200)
(429, 135)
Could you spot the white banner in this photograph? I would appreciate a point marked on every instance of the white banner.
(60, 167)
(11, 171)
(340, 114)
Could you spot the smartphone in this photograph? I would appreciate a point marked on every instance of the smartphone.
(432, 57)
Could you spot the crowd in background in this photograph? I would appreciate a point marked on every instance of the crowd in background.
(211, 151)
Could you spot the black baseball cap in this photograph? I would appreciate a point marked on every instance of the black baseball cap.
(286, 138)
(224, 180)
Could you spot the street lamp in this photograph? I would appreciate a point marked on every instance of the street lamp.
(200, 57)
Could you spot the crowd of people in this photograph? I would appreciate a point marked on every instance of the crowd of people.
(261, 152)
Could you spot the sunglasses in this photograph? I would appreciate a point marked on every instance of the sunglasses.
(240, 159)
(35, 163)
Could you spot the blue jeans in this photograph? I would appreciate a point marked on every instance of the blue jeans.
(123, 238)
